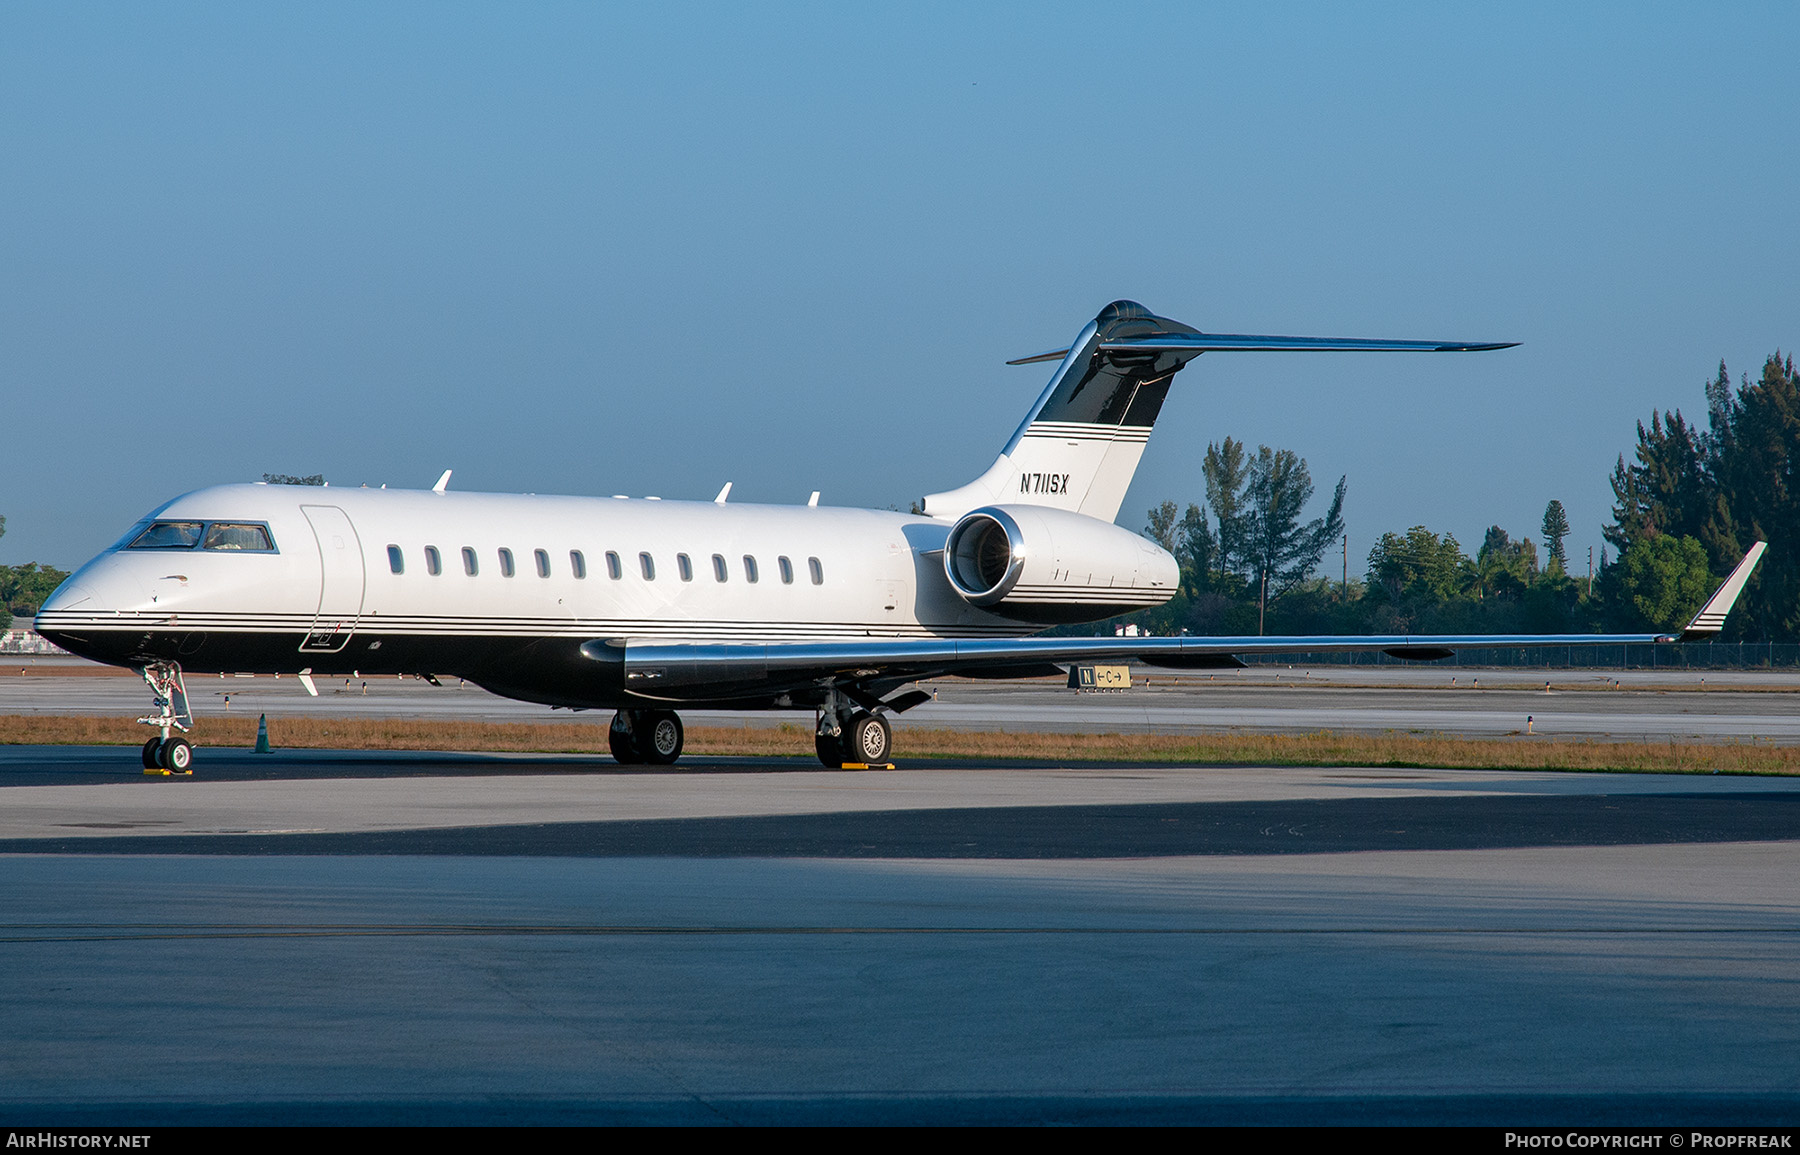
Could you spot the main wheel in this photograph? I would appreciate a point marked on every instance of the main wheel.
(870, 740)
(623, 742)
(831, 752)
(152, 752)
(176, 755)
(661, 735)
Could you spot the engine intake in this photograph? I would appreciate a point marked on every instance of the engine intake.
(984, 556)
(1035, 563)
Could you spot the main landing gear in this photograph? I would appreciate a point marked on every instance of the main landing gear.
(640, 737)
(849, 735)
(166, 753)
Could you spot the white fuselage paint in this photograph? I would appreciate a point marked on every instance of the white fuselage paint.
(330, 575)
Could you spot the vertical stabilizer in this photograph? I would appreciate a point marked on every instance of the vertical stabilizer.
(1080, 446)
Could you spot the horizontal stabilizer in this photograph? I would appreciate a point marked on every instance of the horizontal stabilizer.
(1052, 355)
(1088, 429)
(1254, 343)
(1248, 343)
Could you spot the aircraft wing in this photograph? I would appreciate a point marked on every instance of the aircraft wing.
(676, 672)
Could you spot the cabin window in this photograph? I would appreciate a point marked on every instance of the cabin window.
(168, 535)
(506, 563)
(749, 568)
(434, 565)
(787, 570)
(818, 571)
(543, 562)
(613, 569)
(577, 563)
(396, 559)
(469, 565)
(648, 565)
(685, 567)
(720, 573)
(236, 536)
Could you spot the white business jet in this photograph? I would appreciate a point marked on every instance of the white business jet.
(644, 606)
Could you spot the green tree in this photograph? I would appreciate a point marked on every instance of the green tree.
(23, 588)
(1660, 582)
(1669, 489)
(5, 613)
(290, 479)
(1505, 568)
(1556, 527)
(1195, 548)
(1160, 526)
(1227, 474)
(1757, 470)
(1281, 550)
(1726, 488)
(1421, 566)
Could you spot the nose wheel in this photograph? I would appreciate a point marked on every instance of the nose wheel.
(175, 755)
(166, 753)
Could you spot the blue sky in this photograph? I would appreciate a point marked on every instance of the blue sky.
(650, 249)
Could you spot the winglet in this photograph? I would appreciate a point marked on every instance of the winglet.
(443, 483)
(723, 494)
(1711, 617)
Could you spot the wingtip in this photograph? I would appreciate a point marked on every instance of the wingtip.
(1052, 355)
(1711, 618)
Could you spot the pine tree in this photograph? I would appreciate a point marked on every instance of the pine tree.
(1556, 527)
(1227, 473)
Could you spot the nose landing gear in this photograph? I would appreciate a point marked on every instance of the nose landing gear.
(166, 753)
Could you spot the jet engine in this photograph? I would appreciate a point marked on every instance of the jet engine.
(1038, 564)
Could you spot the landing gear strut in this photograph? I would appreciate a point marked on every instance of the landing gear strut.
(638, 737)
(849, 735)
(166, 752)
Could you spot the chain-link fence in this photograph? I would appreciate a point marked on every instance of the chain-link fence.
(1688, 656)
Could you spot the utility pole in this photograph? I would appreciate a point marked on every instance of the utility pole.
(1590, 592)
(1262, 603)
(1346, 567)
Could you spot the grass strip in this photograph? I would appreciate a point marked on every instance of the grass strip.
(1323, 748)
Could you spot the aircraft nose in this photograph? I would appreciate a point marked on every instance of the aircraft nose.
(68, 596)
(97, 589)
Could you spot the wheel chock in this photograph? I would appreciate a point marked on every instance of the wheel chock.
(159, 772)
(867, 766)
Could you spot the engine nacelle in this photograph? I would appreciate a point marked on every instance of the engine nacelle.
(1039, 564)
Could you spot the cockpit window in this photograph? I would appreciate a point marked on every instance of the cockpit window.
(168, 535)
(237, 536)
(229, 536)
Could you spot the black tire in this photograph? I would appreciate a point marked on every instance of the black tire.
(830, 752)
(623, 743)
(176, 756)
(660, 733)
(869, 740)
(152, 754)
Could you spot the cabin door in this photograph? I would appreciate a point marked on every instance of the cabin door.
(341, 580)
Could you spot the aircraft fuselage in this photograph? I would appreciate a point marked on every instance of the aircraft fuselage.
(499, 589)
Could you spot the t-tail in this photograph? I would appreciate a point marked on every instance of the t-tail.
(1080, 445)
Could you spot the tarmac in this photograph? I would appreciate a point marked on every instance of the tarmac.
(379, 937)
